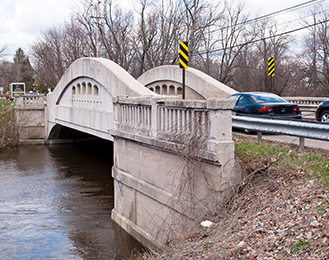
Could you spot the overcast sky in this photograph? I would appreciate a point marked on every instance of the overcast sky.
(22, 21)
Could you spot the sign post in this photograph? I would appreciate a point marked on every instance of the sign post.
(183, 62)
(271, 70)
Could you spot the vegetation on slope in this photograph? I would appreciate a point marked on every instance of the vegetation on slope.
(279, 211)
(8, 125)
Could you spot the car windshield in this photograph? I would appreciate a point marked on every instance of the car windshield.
(266, 98)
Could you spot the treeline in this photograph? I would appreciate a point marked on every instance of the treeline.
(223, 42)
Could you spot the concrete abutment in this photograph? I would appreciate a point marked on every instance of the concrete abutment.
(169, 179)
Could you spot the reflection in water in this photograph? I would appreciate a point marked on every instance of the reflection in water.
(56, 202)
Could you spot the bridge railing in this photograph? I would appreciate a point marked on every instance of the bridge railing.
(133, 115)
(307, 105)
(29, 101)
(176, 121)
(306, 101)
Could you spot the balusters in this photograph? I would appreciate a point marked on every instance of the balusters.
(134, 116)
(178, 121)
(171, 122)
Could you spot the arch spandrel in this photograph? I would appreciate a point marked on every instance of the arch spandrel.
(109, 74)
(72, 105)
(198, 84)
(96, 96)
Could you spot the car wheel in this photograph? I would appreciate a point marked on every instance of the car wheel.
(325, 116)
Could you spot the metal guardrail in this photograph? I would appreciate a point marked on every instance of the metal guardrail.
(301, 129)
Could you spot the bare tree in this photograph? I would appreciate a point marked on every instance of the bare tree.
(56, 49)
(75, 43)
(89, 20)
(145, 38)
(234, 37)
(47, 57)
(315, 56)
(116, 34)
(157, 34)
(246, 72)
(2, 50)
(198, 17)
(271, 43)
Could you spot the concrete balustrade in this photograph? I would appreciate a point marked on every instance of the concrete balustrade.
(29, 101)
(315, 101)
(307, 105)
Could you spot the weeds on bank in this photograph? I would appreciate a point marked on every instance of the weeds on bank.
(307, 164)
(8, 125)
(5, 102)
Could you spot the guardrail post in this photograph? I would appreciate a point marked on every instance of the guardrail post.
(259, 136)
(301, 143)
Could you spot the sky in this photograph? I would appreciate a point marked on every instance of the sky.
(23, 21)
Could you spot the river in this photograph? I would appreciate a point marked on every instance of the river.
(56, 202)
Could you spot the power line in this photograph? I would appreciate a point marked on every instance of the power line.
(298, 6)
(266, 38)
(282, 11)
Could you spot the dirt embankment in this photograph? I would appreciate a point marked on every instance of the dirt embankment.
(276, 214)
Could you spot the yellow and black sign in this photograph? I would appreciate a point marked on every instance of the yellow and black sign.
(271, 67)
(183, 55)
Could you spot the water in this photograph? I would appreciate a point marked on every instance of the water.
(56, 202)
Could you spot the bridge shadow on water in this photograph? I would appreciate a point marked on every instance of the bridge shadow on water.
(88, 162)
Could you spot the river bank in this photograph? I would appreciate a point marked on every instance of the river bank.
(279, 211)
(9, 136)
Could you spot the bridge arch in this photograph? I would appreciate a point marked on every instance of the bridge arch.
(83, 98)
(167, 80)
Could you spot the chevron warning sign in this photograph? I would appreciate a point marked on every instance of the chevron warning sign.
(271, 67)
(183, 55)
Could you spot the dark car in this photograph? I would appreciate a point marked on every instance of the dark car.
(263, 104)
(322, 112)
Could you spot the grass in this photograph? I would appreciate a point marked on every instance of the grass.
(5, 102)
(305, 163)
(321, 208)
(206, 245)
(299, 246)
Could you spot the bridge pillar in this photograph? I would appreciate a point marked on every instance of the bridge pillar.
(170, 169)
(30, 113)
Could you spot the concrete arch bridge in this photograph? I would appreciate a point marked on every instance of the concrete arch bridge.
(173, 158)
